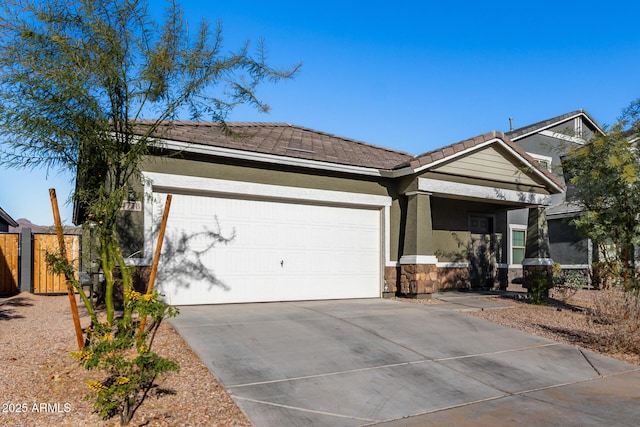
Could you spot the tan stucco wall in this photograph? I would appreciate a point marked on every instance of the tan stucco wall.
(451, 245)
(131, 226)
(394, 229)
(418, 235)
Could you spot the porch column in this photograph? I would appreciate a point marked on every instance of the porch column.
(537, 254)
(418, 271)
(418, 236)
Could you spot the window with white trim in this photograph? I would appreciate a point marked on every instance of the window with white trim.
(517, 243)
(543, 161)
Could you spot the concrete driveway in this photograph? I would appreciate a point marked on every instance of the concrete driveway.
(369, 362)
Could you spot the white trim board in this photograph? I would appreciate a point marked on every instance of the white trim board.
(563, 137)
(452, 265)
(168, 182)
(418, 259)
(480, 192)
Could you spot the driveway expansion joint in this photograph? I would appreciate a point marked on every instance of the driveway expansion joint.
(313, 411)
(328, 374)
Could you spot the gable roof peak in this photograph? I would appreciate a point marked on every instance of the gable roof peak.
(543, 124)
(450, 152)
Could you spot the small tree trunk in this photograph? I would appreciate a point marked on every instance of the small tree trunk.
(107, 269)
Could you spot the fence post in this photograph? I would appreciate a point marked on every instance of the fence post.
(26, 261)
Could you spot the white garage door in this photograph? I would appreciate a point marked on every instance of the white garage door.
(276, 251)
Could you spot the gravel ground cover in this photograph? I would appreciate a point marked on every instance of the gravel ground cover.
(575, 322)
(40, 385)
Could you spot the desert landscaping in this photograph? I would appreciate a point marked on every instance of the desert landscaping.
(42, 385)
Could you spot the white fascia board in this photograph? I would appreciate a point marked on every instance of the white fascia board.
(563, 137)
(480, 192)
(266, 158)
(550, 125)
(595, 125)
(154, 181)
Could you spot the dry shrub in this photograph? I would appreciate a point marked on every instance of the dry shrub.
(615, 321)
(566, 286)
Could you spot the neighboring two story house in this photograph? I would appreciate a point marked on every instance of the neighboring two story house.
(546, 142)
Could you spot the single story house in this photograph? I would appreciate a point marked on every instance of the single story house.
(277, 212)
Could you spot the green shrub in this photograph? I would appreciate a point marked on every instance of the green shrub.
(123, 357)
(538, 285)
(568, 285)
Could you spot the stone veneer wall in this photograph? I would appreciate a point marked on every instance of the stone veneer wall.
(514, 275)
(416, 280)
(453, 278)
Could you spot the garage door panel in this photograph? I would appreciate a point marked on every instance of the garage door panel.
(279, 251)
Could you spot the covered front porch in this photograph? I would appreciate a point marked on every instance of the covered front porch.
(454, 230)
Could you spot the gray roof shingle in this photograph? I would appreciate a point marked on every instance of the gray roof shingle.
(281, 139)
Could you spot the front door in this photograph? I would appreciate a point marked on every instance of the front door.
(482, 256)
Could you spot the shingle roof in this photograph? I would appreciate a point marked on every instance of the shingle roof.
(282, 139)
(451, 150)
(516, 133)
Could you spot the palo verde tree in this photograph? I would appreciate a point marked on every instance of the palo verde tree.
(604, 176)
(75, 76)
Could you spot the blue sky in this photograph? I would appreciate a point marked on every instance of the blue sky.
(413, 76)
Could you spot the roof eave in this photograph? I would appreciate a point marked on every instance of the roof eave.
(268, 158)
(7, 218)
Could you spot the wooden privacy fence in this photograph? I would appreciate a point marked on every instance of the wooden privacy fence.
(44, 281)
(8, 264)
